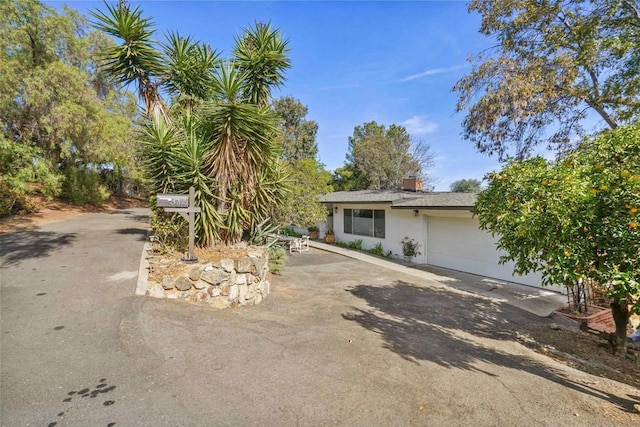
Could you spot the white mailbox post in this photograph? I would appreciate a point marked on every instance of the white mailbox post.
(185, 206)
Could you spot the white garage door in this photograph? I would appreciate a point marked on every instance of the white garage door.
(458, 244)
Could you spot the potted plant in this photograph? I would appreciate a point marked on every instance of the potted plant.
(329, 236)
(409, 248)
(313, 232)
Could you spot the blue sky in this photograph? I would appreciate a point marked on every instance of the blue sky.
(356, 61)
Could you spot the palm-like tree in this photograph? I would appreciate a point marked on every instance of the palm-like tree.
(243, 146)
(261, 55)
(189, 70)
(136, 59)
(219, 134)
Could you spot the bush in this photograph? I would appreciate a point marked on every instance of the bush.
(356, 244)
(13, 201)
(377, 249)
(23, 168)
(289, 231)
(83, 187)
(410, 247)
(172, 231)
(277, 259)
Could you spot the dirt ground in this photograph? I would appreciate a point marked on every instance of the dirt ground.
(585, 351)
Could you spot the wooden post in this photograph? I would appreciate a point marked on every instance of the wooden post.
(188, 212)
(192, 219)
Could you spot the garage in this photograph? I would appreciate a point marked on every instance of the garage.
(441, 222)
(458, 244)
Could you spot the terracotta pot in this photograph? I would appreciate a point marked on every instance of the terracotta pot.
(330, 238)
(313, 235)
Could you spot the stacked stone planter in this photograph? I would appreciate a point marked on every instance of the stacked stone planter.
(220, 284)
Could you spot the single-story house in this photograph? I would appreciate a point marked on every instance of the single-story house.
(441, 222)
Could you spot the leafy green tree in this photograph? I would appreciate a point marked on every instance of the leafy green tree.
(308, 180)
(466, 186)
(554, 62)
(58, 112)
(575, 218)
(378, 158)
(345, 179)
(298, 133)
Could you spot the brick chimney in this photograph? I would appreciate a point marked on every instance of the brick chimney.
(412, 183)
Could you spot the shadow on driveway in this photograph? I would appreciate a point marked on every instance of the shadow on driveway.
(142, 233)
(447, 328)
(20, 245)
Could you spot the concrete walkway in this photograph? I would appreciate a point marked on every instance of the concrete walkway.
(540, 302)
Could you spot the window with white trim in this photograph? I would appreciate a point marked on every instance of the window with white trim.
(364, 222)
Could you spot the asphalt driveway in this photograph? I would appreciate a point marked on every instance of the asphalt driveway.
(338, 342)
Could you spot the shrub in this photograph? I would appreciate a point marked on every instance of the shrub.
(289, 231)
(388, 254)
(377, 249)
(170, 230)
(24, 167)
(356, 244)
(82, 187)
(277, 259)
(13, 201)
(262, 234)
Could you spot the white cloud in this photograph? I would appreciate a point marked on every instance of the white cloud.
(418, 125)
(432, 72)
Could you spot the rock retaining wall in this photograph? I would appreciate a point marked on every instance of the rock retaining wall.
(220, 284)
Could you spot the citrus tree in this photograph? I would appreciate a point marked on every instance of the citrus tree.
(574, 218)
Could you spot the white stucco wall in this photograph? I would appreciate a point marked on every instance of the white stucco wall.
(447, 238)
(398, 224)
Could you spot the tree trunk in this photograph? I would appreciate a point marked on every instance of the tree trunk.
(620, 312)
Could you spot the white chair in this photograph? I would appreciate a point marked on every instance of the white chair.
(304, 243)
(295, 245)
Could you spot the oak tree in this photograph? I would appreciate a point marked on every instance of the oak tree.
(298, 133)
(466, 186)
(555, 64)
(379, 158)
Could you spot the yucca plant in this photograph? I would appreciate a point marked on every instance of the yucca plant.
(192, 173)
(218, 134)
(190, 69)
(261, 56)
(136, 59)
(243, 150)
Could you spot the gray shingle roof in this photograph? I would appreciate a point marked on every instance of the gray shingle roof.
(403, 199)
(439, 200)
(367, 196)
